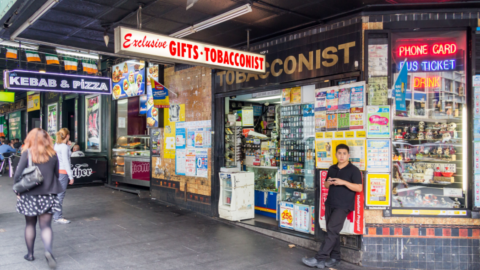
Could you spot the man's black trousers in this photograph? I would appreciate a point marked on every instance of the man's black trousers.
(330, 248)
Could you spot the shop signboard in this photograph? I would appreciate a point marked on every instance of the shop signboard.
(139, 43)
(52, 126)
(140, 170)
(93, 121)
(33, 103)
(377, 191)
(378, 122)
(55, 82)
(302, 58)
(15, 124)
(128, 79)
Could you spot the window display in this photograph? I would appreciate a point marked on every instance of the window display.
(131, 147)
(428, 141)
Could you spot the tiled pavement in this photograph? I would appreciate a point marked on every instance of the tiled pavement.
(117, 230)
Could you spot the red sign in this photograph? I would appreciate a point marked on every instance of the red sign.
(140, 170)
(420, 83)
(426, 49)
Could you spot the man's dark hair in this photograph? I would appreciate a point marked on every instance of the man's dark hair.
(343, 146)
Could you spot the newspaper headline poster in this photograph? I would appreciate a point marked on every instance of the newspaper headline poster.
(323, 153)
(357, 153)
(378, 91)
(378, 155)
(378, 121)
(377, 191)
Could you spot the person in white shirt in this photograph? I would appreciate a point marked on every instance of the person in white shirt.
(76, 151)
(62, 147)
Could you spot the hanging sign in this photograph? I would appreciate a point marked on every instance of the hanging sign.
(55, 82)
(400, 89)
(128, 79)
(140, 43)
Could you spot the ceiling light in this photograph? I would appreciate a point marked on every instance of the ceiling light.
(78, 53)
(17, 45)
(48, 5)
(234, 13)
(265, 98)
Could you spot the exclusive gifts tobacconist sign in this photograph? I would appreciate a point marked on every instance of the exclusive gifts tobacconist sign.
(140, 43)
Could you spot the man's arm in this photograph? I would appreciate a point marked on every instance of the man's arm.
(351, 186)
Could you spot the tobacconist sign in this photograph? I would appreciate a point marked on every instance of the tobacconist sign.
(304, 58)
(134, 42)
(54, 82)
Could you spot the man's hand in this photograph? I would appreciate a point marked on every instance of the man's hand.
(339, 182)
(71, 182)
(351, 186)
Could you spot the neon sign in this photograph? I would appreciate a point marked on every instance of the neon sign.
(430, 82)
(425, 49)
(429, 65)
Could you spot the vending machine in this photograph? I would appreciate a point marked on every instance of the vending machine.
(237, 196)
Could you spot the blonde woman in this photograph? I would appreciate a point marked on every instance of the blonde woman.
(40, 202)
(62, 147)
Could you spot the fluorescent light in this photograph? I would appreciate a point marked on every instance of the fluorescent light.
(48, 5)
(234, 13)
(17, 45)
(77, 53)
(264, 98)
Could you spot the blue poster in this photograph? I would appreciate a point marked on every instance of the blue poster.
(128, 79)
(152, 112)
(143, 104)
(180, 135)
(191, 137)
(400, 89)
(202, 162)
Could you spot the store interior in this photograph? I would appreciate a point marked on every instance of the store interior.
(276, 143)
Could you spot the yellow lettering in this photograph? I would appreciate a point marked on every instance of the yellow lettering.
(346, 53)
(303, 61)
(220, 74)
(240, 77)
(249, 75)
(327, 55)
(274, 73)
(230, 78)
(294, 64)
(264, 76)
(318, 60)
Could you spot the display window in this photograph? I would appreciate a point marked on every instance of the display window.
(429, 121)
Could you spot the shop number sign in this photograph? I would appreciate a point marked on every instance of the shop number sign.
(141, 170)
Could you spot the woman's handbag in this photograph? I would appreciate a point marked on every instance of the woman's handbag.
(31, 177)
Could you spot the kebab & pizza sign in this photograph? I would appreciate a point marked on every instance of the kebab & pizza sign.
(140, 43)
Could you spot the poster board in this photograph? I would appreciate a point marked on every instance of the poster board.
(377, 191)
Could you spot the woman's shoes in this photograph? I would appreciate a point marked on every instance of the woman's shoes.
(29, 258)
(52, 263)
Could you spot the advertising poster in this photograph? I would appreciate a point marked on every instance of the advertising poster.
(344, 99)
(128, 79)
(180, 135)
(477, 191)
(180, 162)
(286, 215)
(93, 118)
(332, 99)
(320, 121)
(177, 113)
(143, 104)
(323, 194)
(356, 120)
(190, 137)
(15, 124)
(343, 120)
(52, 126)
(302, 218)
(169, 138)
(357, 98)
(476, 129)
(377, 191)
(152, 72)
(476, 157)
(33, 103)
(202, 162)
(378, 60)
(323, 153)
(159, 94)
(296, 95)
(378, 121)
(150, 111)
(247, 116)
(286, 96)
(378, 91)
(157, 139)
(331, 120)
(378, 155)
(312, 217)
(320, 100)
(358, 153)
(400, 91)
(190, 162)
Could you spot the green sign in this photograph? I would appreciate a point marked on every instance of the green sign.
(15, 125)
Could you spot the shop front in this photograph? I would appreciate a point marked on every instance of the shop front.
(265, 130)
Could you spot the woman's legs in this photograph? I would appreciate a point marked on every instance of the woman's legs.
(30, 234)
(45, 222)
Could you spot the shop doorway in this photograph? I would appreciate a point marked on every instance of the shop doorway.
(34, 120)
(69, 116)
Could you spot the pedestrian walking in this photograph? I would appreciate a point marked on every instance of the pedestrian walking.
(40, 202)
(343, 181)
(62, 147)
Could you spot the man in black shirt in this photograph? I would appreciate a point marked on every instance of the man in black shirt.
(343, 181)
